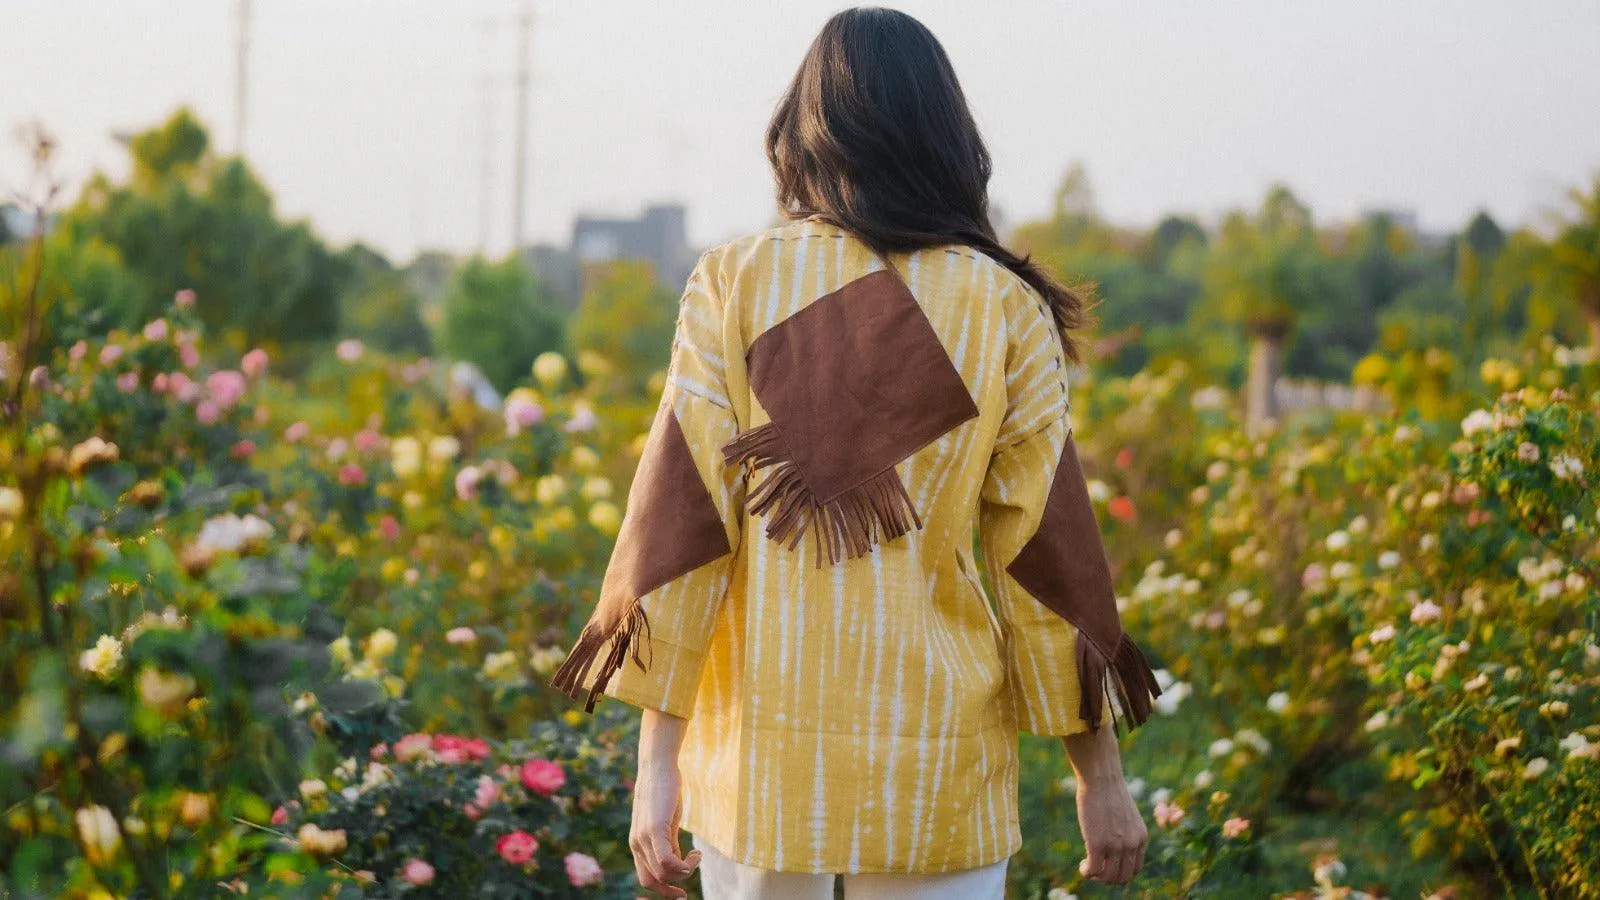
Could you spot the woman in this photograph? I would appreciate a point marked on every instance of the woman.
(793, 599)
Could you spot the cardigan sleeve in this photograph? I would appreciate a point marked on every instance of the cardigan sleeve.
(690, 511)
(1040, 646)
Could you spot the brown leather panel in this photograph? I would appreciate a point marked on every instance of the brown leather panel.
(1064, 565)
(856, 382)
(672, 525)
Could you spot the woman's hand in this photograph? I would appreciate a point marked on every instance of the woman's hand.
(1113, 831)
(658, 806)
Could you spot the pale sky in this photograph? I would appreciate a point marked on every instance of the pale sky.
(366, 116)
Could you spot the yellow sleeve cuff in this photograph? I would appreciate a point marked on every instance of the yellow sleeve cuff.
(669, 684)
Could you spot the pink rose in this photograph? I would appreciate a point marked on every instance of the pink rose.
(583, 419)
(455, 750)
(159, 383)
(337, 448)
(254, 363)
(78, 351)
(368, 440)
(1168, 814)
(487, 793)
(156, 330)
(1235, 827)
(128, 382)
(378, 752)
(110, 353)
(351, 475)
(225, 387)
(1425, 612)
(389, 528)
(349, 350)
(1315, 576)
(467, 483)
(297, 432)
(461, 636)
(417, 872)
(207, 413)
(280, 816)
(184, 298)
(243, 449)
(543, 776)
(413, 747)
(582, 870)
(517, 848)
(189, 356)
(522, 413)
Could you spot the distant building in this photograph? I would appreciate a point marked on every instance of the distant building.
(659, 237)
(559, 270)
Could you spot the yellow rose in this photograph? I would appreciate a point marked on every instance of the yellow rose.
(584, 459)
(500, 665)
(443, 449)
(550, 489)
(550, 368)
(11, 504)
(381, 644)
(477, 570)
(321, 843)
(605, 517)
(167, 692)
(545, 660)
(392, 568)
(405, 456)
(97, 828)
(596, 488)
(501, 538)
(412, 500)
(195, 809)
(594, 364)
(103, 659)
(340, 649)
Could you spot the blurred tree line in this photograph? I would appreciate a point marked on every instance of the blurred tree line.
(1271, 291)
(1266, 291)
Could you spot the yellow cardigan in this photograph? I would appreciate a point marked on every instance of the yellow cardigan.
(806, 594)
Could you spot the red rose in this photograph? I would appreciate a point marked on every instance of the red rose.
(517, 848)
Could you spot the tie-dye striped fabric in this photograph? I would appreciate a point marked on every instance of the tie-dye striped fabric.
(862, 716)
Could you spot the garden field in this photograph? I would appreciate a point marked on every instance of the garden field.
(277, 616)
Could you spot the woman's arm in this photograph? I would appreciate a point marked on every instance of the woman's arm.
(657, 806)
(1113, 831)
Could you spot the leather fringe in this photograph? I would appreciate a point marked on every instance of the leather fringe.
(569, 679)
(877, 510)
(1133, 681)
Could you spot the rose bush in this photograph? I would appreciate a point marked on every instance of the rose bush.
(222, 591)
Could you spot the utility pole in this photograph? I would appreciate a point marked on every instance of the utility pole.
(486, 168)
(241, 75)
(524, 76)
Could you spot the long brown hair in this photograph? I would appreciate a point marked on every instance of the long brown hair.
(875, 137)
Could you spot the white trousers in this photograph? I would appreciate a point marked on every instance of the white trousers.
(723, 879)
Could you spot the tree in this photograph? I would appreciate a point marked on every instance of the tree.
(188, 219)
(628, 318)
(1566, 271)
(1262, 275)
(381, 307)
(497, 317)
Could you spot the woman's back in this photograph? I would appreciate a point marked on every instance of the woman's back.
(846, 675)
